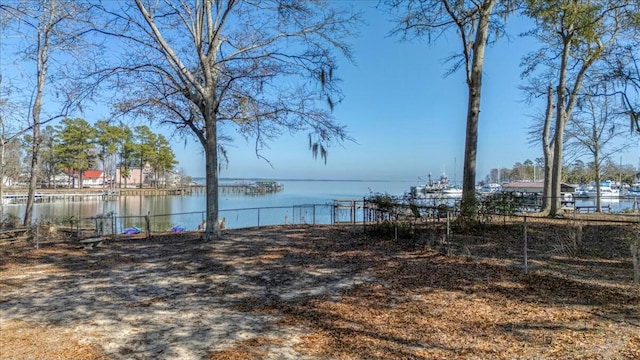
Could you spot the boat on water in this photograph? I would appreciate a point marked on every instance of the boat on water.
(633, 191)
(607, 191)
(440, 187)
(452, 192)
(490, 188)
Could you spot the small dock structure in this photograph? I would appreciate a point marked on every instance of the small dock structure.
(259, 187)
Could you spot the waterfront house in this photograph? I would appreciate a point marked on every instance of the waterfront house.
(93, 178)
(134, 178)
(90, 178)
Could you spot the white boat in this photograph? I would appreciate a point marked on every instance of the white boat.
(436, 187)
(581, 192)
(490, 188)
(607, 191)
(451, 192)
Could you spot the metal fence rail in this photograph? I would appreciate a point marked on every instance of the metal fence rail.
(432, 223)
(111, 224)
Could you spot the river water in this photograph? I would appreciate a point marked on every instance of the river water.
(239, 210)
(299, 201)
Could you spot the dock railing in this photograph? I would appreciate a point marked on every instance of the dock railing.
(114, 225)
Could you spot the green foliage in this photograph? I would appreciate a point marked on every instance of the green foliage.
(499, 204)
(77, 145)
(75, 148)
(578, 17)
(384, 202)
(577, 172)
(162, 156)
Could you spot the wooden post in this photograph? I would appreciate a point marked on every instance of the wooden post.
(38, 234)
(113, 226)
(353, 212)
(526, 255)
(147, 225)
(448, 233)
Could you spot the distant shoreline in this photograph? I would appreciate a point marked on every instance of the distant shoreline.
(324, 180)
(99, 191)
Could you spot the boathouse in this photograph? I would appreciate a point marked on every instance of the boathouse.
(533, 187)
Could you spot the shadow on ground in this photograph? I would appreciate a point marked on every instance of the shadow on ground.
(313, 292)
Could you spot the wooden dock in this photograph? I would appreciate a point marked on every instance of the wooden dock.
(45, 195)
(251, 188)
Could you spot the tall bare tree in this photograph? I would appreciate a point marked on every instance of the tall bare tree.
(259, 66)
(575, 34)
(473, 21)
(49, 28)
(593, 131)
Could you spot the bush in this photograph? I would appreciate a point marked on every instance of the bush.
(384, 202)
(10, 222)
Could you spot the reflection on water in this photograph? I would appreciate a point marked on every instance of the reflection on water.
(89, 206)
(166, 212)
(238, 210)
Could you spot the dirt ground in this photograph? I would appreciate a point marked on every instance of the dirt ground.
(324, 292)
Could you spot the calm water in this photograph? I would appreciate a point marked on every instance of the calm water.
(292, 203)
(291, 198)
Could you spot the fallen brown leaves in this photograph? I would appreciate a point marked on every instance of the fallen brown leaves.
(249, 349)
(430, 306)
(414, 303)
(22, 340)
(436, 307)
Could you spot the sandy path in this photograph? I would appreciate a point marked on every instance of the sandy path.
(165, 298)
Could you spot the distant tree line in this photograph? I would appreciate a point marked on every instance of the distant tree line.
(75, 146)
(577, 172)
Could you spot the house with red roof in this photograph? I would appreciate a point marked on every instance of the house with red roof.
(90, 178)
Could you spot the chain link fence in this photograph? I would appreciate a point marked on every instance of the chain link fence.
(504, 227)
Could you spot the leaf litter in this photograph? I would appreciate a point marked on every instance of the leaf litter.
(303, 292)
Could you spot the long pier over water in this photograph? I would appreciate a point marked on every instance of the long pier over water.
(254, 188)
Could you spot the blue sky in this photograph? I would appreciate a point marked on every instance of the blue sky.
(406, 118)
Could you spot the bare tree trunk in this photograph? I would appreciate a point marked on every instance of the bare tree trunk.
(561, 121)
(42, 58)
(547, 149)
(556, 178)
(35, 148)
(212, 230)
(473, 113)
(596, 164)
(1, 174)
